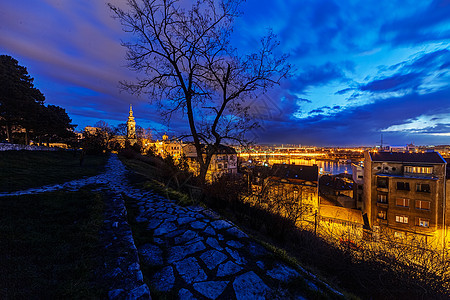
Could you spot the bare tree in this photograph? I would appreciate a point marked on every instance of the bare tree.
(187, 65)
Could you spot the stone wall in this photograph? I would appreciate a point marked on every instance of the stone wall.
(17, 147)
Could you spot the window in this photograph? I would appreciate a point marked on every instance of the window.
(401, 219)
(419, 170)
(382, 198)
(403, 186)
(402, 202)
(225, 165)
(382, 183)
(382, 215)
(425, 205)
(219, 166)
(423, 187)
(424, 222)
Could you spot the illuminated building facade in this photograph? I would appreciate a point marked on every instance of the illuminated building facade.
(166, 147)
(296, 182)
(224, 161)
(405, 193)
(131, 125)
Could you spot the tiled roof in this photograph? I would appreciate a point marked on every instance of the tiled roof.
(406, 157)
(222, 149)
(308, 173)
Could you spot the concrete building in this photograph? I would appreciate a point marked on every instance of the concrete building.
(358, 183)
(405, 194)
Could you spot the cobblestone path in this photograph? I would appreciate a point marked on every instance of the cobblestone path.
(192, 253)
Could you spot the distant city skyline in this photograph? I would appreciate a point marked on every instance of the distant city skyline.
(362, 68)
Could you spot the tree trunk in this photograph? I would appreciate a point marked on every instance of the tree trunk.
(8, 132)
(203, 172)
(26, 136)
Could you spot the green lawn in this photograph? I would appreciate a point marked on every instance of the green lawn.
(25, 169)
(49, 246)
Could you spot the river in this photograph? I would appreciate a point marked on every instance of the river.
(325, 167)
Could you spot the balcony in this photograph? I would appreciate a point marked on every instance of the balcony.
(382, 189)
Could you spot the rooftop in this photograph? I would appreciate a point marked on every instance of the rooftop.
(406, 157)
(308, 173)
(341, 213)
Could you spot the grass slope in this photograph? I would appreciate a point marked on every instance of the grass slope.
(49, 245)
(26, 169)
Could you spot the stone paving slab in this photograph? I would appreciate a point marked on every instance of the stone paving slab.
(193, 252)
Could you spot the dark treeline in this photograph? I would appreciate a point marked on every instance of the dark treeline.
(23, 115)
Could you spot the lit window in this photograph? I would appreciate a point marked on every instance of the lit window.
(424, 222)
(402, 202)
(418, 170)
(401, 219)
(382, 198)
(423, 187)
(425, 205)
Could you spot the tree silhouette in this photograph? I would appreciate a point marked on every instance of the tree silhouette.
(189, 67)
(19, 99)
(22, 106)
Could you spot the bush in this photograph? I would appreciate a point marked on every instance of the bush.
(128, 153)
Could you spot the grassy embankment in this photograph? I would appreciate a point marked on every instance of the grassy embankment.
(49, 242)
(26, 169)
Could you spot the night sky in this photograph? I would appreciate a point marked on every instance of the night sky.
(362, 68)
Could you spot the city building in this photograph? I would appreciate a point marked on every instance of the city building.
(296, 182)
(119, 141)
(131, 126)
(166, 147)
(223, 161)
(341, 223)
(405, 195)
(337, 190)
(358, 183)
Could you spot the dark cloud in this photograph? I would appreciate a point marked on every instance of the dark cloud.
(393, 83)
(73, 50)
(363, 125)
(343, 91)
(410, 74)
(317, 111)
(316, 76)
(429, 24)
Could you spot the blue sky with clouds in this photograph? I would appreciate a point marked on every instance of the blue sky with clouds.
(362, 68)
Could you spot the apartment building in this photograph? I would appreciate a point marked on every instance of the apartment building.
(296, 182)
(405, 194)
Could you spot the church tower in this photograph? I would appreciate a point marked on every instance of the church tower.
(131, 125)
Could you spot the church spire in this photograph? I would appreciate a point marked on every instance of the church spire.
(131, 125)
(131, 112)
